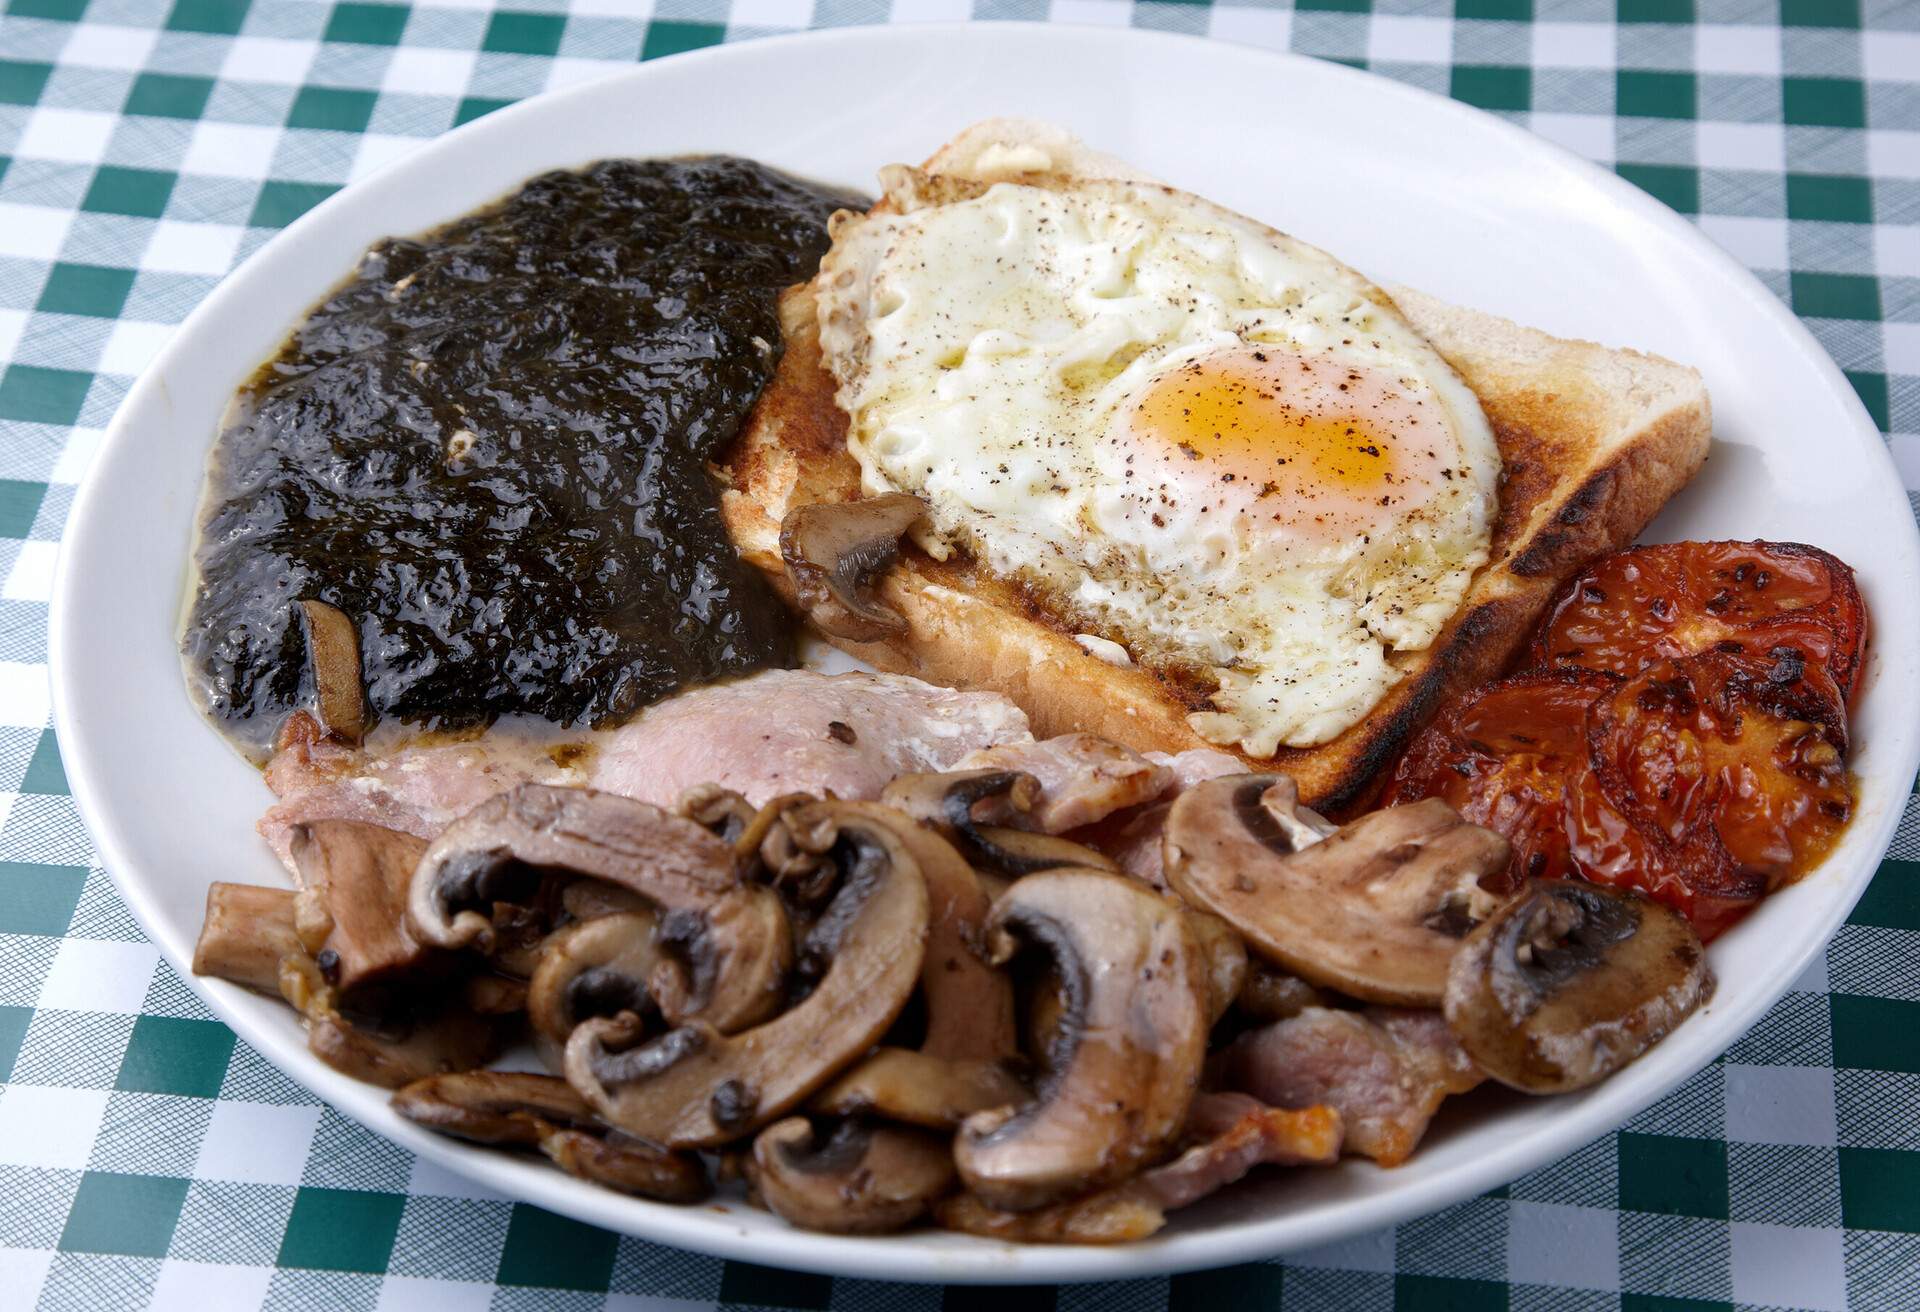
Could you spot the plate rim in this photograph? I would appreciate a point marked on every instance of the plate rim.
(906, 1257)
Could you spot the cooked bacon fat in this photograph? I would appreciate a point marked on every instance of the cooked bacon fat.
(777, 732)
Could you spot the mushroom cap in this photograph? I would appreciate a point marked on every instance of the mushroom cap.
(694, 1087)
(1570, 981)
(862, 1179)
(1374, 910)
(1132, 1036)
(834, 549)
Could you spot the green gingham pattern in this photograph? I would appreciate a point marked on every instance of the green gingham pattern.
(146, 147)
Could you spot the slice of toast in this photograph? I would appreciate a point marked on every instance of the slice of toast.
(1593, 442)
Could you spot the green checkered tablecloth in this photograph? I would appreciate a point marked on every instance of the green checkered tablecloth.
(147, 146)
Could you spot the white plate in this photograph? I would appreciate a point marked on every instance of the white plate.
(1404, 185)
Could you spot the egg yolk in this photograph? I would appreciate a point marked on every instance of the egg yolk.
(1302, 446)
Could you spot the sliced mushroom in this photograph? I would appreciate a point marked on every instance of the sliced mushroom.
(492, 1107)
(1043, 1005)
(514, 1109)
(627, 1165)
(969, 1004)
(1571, 981)
(733, 942)
(359, 873)
(1236, 1135)
(1376, 910)
(1226, 957)
(333, 660)
(520, 932)
(862, 1179)
(429, 1042)
(597, 967)
(1132, 1035)
(1084, 779)
(959, 1067)
(694, 1087)
(833, 553)
(966, 807)
(903, 1085)
(246, 934)
(589, 899)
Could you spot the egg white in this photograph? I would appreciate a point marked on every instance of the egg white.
(992, 346)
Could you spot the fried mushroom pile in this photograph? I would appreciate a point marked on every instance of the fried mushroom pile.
(941, 1005)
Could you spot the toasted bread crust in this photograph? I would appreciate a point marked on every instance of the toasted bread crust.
(1587, 462)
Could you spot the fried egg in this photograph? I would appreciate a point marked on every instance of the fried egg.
(1192, 436)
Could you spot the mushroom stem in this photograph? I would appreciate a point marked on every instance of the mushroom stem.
(596, 967)
(359, 874)
(1226, 959)
(969, 1004)
(249, 938)
(247, 932)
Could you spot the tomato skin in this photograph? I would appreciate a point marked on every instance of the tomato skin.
(1704, 782)
(1645, 604)
(1697, 878)
(1735, 764)
(1503, 758)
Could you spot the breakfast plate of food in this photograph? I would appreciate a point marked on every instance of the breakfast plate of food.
(912, 653)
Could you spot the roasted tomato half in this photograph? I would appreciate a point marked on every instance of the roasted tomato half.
(1704, 782)
(1630, 609)
(1504, 757)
